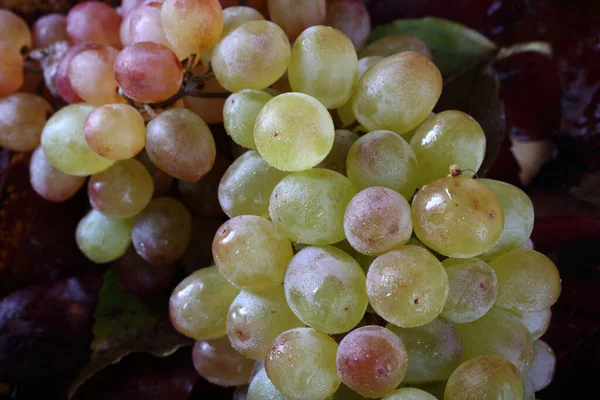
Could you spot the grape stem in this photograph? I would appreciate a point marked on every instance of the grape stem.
(455, 171)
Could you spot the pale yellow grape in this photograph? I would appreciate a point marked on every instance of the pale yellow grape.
(11, 69)
(483, 378)
(382, 158)
(301, 364)
(527, 280)
(409, 394)
(199, 304)
(518, 217)
(115, 131)
(473, 289)
(65, 146)
(239, 115)
(261, 388)
(543, 367)
(397, 93)
(394, 44)
(434, 350)
(294, 132)
(350, 17)
(255, 320)
(192, 26)
(251, 253)
(103, 239)
(14, 30)
(536, 322)
(448, 138)
(252, 56)
(219, 363)
(238, 15)
(324, 65)
(325, 288)
(22, 119)
(295, 16)
(50, 183)
(458, 217)
(499, 333)
(407, 287)
(246, 186)
(336, 159)
(308, 206)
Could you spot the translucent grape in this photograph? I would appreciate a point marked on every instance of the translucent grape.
(473, 289)
(103, 239)
(346, 112)
(457, 217)
(61, 80)
(312, 374)
(485, 377)
(181, 144)
(448, 138)
(371, 361)
(409, 135)
(192, 26)
(499, 333)
(434, 350)
(219, 363)
(198, 305)
(336, 159)
(122, 190)
(65, 146)
(377, 220)
(50, 183)
(543, 366)
(162, 231)
(246, 186)
(527, 280)
(309, 205)
(261, 388)
(252, 56)
(94, 22)
(234, 17)
(98, 61)
(162, 180)
(143, 24)
(397, 93)
(382, 158)
(409, 394)
(22, 119)
(324, 65)
(140, 278)
(239, 115)
(255, 320)
(518, 217)
(295, 16)
(350, 17)
(536, 322)
(14, 30)
(294, 132)
(202, 196)
(11, 69)
(252, 253)
(325, 288)
(394, 44)
(49, 29)
(407, 287)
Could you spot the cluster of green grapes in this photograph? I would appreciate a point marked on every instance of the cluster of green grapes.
(332, 233)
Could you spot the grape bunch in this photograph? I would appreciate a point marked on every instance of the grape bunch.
(363, 256)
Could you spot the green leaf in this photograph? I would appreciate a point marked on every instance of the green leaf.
(454, 46)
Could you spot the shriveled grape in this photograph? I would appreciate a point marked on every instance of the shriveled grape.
(239, 115)
(50, 183)
(219, 363)
(103, 239)
(22, 118)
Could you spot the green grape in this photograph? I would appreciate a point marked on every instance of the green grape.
(457, 217)
(473, 289)
(252, 56)
(377, 220)
(246, 186)
(394, 44)
(251, 253)
(234, 17)
(294, 132)
(407, 287)
(255, 320)
(325, 288)
(499, 333)
(434, 350)
(103, 239)
(382, 158)
(309, 205)
(448, 138)
(219, 363)
(367, 62)
(121, 191)
(485, 377)
(409, 394)
(239, 115)
(301, 364)
(336, 159)
(397, 93)
(409, 135)
(261, 388)
(536, 322)
(324, 65)
(518, 217)
(527, 281)
(198, 306)
(65, 146)
(543, 366)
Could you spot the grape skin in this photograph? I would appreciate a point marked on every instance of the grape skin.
(50, 183)
(94, 22)
(350, 17)
(22, 119)
(536, 322)
(143, 24)
(61, 80)
(239, 115)
(409, 394)
(103, 239)
(295, 16)
(14, 30)
(261, 388)
(543, 366)
(49, 29)
(219, 363)
(11, 69)
(236, 16)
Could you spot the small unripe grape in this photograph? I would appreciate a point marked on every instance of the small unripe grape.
(103, 239)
